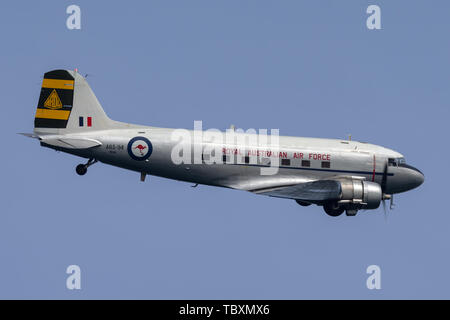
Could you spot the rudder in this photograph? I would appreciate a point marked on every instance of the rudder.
(55, 101)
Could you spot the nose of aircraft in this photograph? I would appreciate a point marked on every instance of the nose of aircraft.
(413, 177)
(404, 177)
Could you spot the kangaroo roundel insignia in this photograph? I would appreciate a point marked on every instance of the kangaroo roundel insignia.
(140, 148)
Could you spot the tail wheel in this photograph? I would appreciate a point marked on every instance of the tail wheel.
(333, 209)
(81, 169)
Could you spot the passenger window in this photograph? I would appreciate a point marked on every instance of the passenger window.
(306, 163)
(325, 164)
(225, 159)
(265, 161)
(247, 159)
(285, 162)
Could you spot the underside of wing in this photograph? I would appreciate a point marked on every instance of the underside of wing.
(315, 191)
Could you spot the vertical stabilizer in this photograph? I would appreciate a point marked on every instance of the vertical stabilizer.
(67, 104)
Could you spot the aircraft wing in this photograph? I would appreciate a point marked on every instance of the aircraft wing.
(315, 191)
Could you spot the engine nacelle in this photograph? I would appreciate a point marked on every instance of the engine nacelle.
(360, 194)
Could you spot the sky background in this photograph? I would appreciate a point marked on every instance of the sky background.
(308, 68)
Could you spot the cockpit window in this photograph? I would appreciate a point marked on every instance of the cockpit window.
(396, 161)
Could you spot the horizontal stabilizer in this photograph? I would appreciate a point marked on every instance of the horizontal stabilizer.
(30, 135)
(71, 143)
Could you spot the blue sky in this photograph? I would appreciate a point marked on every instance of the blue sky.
(309, 68)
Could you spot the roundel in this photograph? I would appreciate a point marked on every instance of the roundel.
(139, 148)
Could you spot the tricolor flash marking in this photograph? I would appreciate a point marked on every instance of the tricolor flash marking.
(81, 121)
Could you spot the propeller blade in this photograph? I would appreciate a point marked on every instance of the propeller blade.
(384, 178)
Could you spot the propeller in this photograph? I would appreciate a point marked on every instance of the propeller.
(384, 178)
(383, 189)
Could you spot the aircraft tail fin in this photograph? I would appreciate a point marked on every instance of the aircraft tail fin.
(67, 104)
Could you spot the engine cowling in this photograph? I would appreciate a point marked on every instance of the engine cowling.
(360, 194)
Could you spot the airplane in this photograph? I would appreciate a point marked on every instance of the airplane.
(340, 175)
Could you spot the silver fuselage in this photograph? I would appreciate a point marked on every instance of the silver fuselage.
(347, 158)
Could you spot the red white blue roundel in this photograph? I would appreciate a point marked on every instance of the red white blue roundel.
(139, 148)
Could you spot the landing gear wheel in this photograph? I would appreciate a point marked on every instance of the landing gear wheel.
(81, 169)
(303, 203)
(333, 209)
